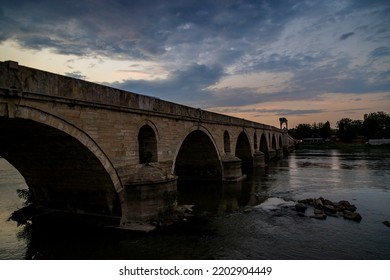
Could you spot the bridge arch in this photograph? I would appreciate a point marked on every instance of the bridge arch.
(61, 164)
(264, 148)
(274, 147)
(244, 151)
(226, 142)
(255, 147)
(147, 144)
(198, 156)
(151, 125)
(280, 142)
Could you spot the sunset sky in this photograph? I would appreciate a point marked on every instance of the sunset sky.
(308, 61)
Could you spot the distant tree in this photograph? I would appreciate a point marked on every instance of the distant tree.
(324, 130)
(343, 127)
(349, 129)
(376, 125)
(302, 131)
(315, 130)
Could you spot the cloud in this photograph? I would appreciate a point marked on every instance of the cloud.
(147, 29)
(183, 85)
(76, 74)
(380, 51)
(278, 111)
(200, 43)
(346, 35)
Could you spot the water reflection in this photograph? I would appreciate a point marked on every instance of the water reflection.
(334, 155)
(221, 197)
(212, 197)
(223, 229)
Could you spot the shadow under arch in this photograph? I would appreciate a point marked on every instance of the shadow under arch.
(274, 147)
(280, 146)
(198, 156)
(226, 142)
(147, 145)
(64, 168)
(244, 152)
(264, 148)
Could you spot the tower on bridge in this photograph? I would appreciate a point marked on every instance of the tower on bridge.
(283, 123)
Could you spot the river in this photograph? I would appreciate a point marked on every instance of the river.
(254, 219)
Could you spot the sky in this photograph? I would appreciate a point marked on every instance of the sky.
(309, 61)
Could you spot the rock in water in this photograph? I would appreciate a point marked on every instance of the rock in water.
(329, 208)
(306, 201)
(345, 205)
(319, 216)
(386, 223)
(300, 207)
(318, 203)
(328, 202)
(352, 216)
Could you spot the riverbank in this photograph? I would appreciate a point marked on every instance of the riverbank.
(342, 146)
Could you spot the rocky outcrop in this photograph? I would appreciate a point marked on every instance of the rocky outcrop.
(324, 207)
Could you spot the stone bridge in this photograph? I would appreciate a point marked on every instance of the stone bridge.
(93, 150)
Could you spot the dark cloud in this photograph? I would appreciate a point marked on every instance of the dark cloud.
(183, 85)
(346, 35)
(200, 42)
(143, 28)
(277, 111)
(276, 62)
(381, 51)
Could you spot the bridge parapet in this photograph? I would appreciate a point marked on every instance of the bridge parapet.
(27, 81)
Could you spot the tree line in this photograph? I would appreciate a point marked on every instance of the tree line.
(374, 126)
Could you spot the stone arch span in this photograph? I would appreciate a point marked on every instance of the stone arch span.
(148, 138)
(264, 148)
(152, 126)
(226, 142)
(274, 147)
(198, 156)
(280, 142)
(64, 168)
(147, 145)
(244, 152)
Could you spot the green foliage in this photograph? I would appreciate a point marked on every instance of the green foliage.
(24, 194)
(349, 129)
(302, 131)
(23, 215)
(325, 130)
(377, 125)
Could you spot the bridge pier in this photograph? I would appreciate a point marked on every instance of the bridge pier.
(232, 171)
(151, 194)
(258, 159)
(279, 153)
(272, 154)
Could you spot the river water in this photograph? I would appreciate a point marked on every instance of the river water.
(254, 219)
